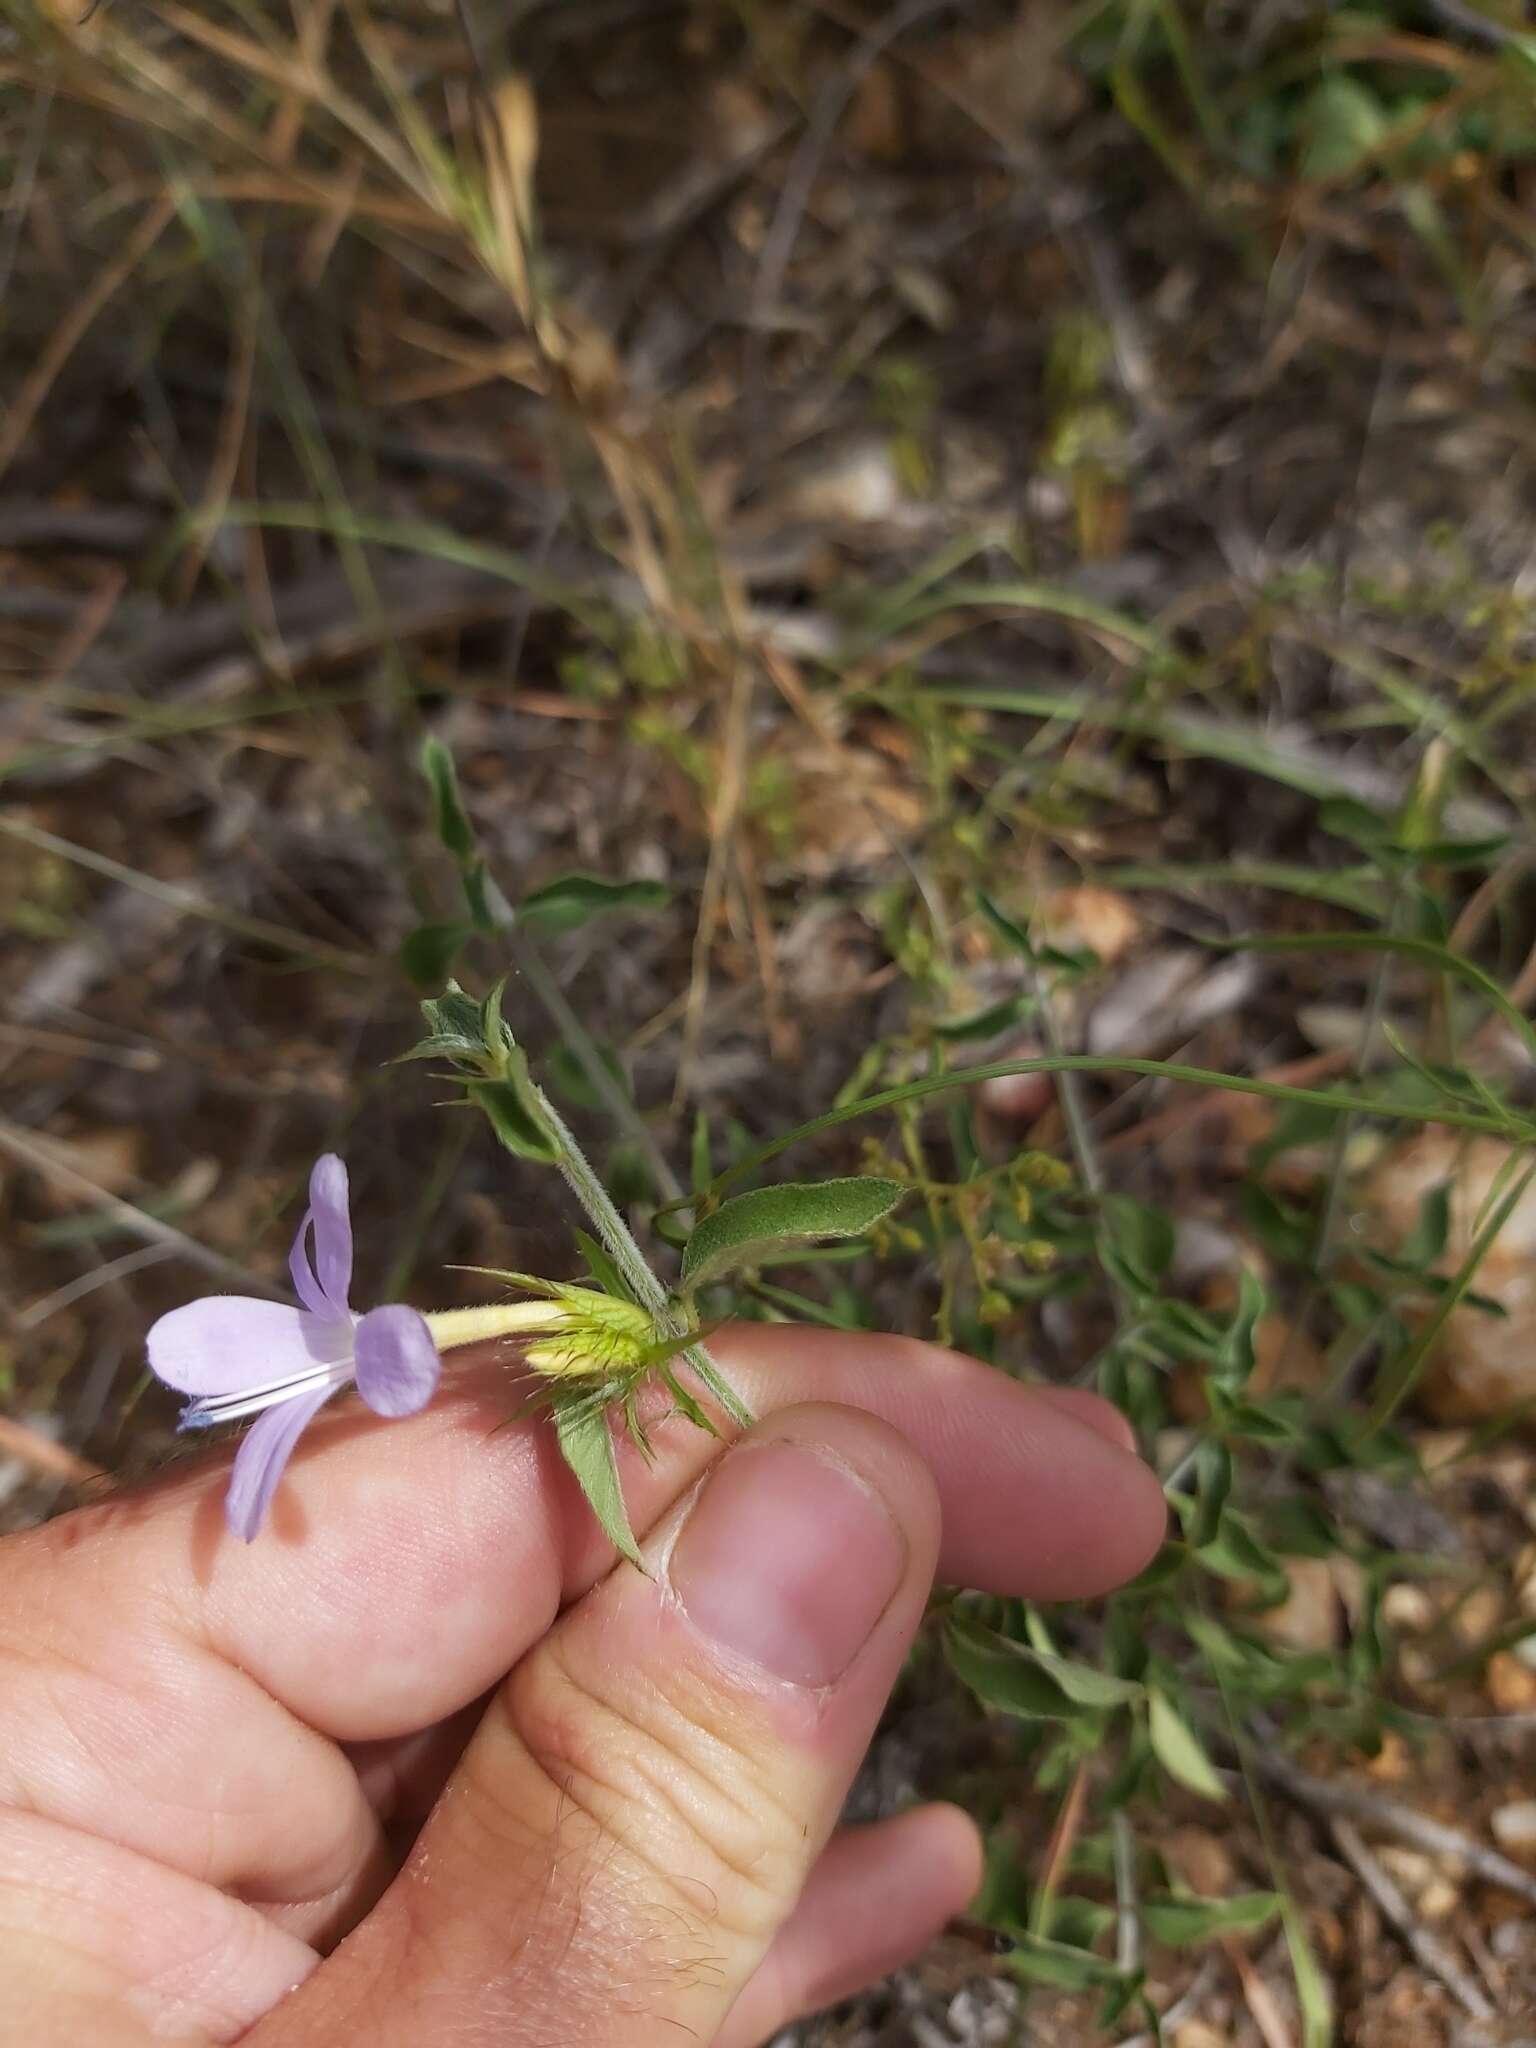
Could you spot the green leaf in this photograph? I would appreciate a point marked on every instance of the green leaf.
(871, 1060)
(1213, 1483)
(1127, 1990)
(985, 1023)
(562, 905)
(482, 898)
(1298, 1528)
(1348, 818)
(574, 1082)
(1013, 935)
(746, 1227)
(1177, 1920)
(586, 1444)
(1343, 121)
(710, 1377)
(515, 1123)
(1423, 916)
(440, 1045)
(1283, 1230)
(1078, 1922)
(453, 826)
(687, 1406)
(427, 953)
(1299, 1123)
(1312, 1993)
(1177, 1748)
(1052, 1962)
(1161, 1572)
(1426, 1241)
(605, 1274)
(1236, 1553)
(454, 1015)
(1005, 1896)
(1141, 1235)
(499, 1042)
(1031, 1684)
(1234, 1358)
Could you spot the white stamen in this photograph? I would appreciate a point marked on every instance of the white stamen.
(216, 1408)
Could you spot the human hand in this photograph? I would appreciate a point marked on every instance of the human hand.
(288, 1794)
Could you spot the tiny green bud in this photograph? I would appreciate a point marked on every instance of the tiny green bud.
(1040, 1170)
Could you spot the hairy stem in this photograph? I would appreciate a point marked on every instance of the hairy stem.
(618, 1240)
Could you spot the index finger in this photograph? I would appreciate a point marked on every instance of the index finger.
(408, 1565)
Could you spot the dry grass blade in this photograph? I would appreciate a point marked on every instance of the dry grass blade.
(509, 140)
(188, 901)
(33, 1151)
(1261, 2001)
(72, 329)
(723, 816)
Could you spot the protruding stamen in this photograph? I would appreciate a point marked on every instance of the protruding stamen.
(217, 1408)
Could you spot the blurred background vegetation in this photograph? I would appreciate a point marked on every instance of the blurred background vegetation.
(1006, 528)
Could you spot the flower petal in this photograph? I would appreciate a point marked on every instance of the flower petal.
(397, 1362)
(305, 1285)
(232, 1344)
(332, 1216)
(259, 1462)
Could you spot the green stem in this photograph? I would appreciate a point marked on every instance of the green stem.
(618, 1241)
(530, 964)
(1519, 1130)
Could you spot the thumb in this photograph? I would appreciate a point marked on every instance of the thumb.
(648, 1791)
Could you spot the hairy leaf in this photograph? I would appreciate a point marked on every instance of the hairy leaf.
(427, 953)
(1177, 1920)
(453, 826)
(1032, 1684)
(562, 905)
(513, 1120)
(1177, 1748)
(586, 1444)
(749, 1227)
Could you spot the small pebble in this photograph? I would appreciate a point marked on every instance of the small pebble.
(1514, 1827)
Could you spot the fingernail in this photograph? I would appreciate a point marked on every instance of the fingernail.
(788, 1560)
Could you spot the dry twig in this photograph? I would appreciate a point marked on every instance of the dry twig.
(1333, 1796)
(1427, 1947)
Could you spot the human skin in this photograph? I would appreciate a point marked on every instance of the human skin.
(425, 1764)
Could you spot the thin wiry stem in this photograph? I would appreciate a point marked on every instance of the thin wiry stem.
(1080, 1137)
(41, 1157)
(533, 968)
(1127, 1921)
(535, 972)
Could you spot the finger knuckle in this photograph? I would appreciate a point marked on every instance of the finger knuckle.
(672, 1790)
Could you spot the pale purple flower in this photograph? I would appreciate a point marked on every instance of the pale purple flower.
(237, 1356)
